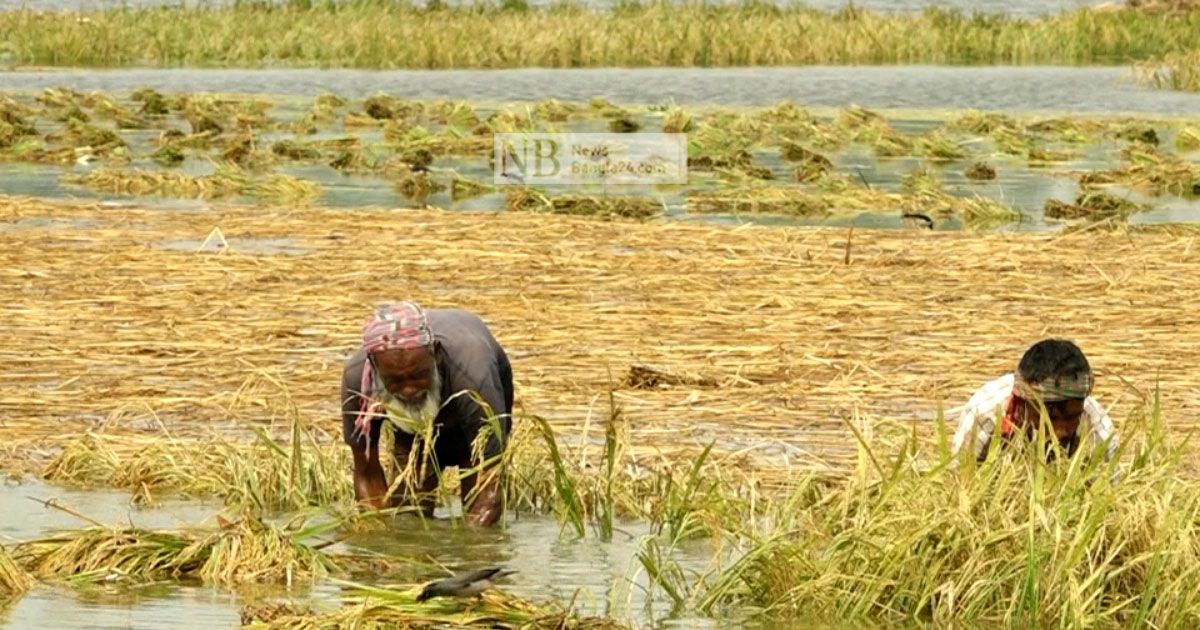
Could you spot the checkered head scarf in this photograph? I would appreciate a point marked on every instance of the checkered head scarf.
(400, 325)
(1054, 389)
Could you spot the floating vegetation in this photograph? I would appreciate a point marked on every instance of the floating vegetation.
(464, 188)
(507, 121)
(153, 103)
(1138, 132)
(244, 551)
(357, 159)
(293, 150)
(887, 142)
(746, 173)
(396, 607)
(983, 123)
(981, 171)
(678, 120)
(79, 135)
(14, 580)
(167, 184)
(782, 200)
(323, 112)
(855, 118)
(240, 149)
(386, 107)
(554, 110)
(1013, 141)
(168, 156)
(228, 181)
(529, 200)
(812, 165)
(712, 146)
(418, 185)
(198, 141)
(939, 147)
(1188, 139)
(453, 113)
(624, 124)
(1152, 171)
(1042, 155)
(1093, 205)
(927, 196)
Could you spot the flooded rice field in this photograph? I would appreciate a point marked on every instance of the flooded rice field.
(601, 578)
(772, 164)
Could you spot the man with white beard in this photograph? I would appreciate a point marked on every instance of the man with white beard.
(423, 371)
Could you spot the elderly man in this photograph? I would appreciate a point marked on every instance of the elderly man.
(425, 372)
(1055, 372)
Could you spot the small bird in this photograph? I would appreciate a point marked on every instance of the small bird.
(464, 584)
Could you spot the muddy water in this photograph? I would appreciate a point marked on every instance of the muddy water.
(1013, 89)
(603, 577)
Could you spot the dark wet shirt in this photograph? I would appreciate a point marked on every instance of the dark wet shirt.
(471, 361)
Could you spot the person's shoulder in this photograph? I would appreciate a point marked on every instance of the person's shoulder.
(353, 367)
(991, 395)
(459, 326)
(452, 316)
(1094, 410)
(1001, 386)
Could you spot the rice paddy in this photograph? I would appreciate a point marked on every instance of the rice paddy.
(745, 444)
(509, 35)
(781, 160)
(735, 392)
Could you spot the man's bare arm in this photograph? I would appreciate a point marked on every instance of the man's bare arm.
(370, 484)
(487, 506)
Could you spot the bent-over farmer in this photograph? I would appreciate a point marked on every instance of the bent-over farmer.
(421, 371)
(1056, 372)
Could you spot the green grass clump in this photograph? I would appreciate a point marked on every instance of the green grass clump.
(1188, 139)
(240, 552)
(940, 147)
(1012, 541)
(400, 35)
(367, 606)
(266, 474)
(229, 180)
(1093, 205)
(528, 200)
(1150, 170)
(925, 195)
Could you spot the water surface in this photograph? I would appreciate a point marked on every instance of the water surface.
(1100, 90)
(602, 577)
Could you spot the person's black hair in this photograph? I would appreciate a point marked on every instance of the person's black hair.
(1052, 357)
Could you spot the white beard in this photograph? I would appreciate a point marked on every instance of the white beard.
(410, 418)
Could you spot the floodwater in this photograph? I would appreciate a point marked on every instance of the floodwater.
(1102, 90)
(1019, 185)
(1022, 8)
(913, 95)
(602, 577)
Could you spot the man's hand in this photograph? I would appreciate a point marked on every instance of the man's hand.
(487, 507)
(370, 484)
